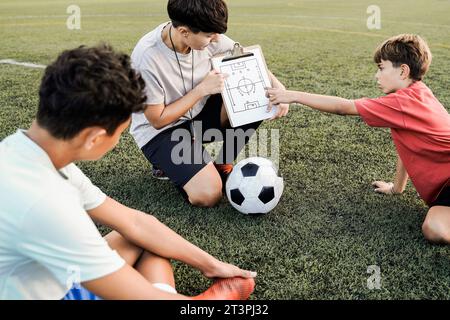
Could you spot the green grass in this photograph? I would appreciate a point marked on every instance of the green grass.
(329, 226)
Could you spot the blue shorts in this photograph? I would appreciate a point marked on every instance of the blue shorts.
(80, 293)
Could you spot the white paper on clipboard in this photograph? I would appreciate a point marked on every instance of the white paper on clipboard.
(244, 94)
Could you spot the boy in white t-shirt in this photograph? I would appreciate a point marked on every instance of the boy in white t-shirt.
(48, 239)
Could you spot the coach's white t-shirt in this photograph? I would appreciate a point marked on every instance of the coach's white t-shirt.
(47, 239)
(159, 67)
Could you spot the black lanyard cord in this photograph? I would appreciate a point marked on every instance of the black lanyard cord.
(182, 77)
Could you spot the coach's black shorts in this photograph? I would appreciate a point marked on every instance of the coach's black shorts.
(443, 199)
(158, 151)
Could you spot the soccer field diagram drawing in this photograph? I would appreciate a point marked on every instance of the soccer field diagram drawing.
(245, 86)
(244, 92)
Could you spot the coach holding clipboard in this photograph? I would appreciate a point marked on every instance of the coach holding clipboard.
(183, 94)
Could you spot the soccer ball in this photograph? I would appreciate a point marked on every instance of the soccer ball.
(254, 186)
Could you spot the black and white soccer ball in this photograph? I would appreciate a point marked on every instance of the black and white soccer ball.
(254, 186)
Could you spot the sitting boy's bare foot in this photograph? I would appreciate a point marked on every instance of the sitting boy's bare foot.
(236, 288)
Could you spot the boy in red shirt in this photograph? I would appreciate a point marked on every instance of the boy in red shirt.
(420, 126)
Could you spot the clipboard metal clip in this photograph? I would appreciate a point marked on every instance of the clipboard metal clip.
(237, 52)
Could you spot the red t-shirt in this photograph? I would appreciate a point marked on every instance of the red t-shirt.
(420, 128)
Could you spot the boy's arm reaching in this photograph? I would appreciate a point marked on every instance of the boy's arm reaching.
(399, 184)
(149, 233)
(323, 103)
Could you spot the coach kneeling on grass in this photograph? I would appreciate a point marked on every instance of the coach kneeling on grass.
(184, 96)
(47, 205)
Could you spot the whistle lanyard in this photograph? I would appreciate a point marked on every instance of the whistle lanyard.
(182, 79)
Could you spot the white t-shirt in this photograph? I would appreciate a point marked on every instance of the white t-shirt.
(159, 68)
(47, 239)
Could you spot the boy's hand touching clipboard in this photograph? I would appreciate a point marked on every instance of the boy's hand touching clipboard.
(244, 93)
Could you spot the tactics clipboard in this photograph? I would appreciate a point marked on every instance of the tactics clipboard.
(244, 93)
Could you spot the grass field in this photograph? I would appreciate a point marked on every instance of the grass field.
(329, 226)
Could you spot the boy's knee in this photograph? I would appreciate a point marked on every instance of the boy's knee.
(434, 232)
(208, 198)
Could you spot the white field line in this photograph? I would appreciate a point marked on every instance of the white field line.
(341, 18)
(59, 16)
(32, 65)
(293, 26)
(24, 64)
(112, 15)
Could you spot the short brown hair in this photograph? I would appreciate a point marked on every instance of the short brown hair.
(409, 49)
(199, 15)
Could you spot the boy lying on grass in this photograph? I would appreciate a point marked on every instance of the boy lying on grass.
(47, 205)
(420, 126)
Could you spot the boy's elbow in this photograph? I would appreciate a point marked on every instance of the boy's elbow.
(341, 110)
(154, 117)
(157, 125)
(346, 108)
(138, 224)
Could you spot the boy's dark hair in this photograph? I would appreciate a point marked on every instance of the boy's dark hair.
(88, 87)
(409, 49)
(199, 15)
